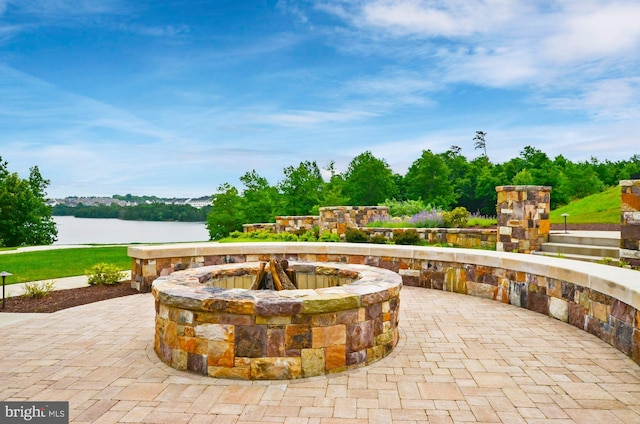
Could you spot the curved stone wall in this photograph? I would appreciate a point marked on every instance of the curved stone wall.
(207, 322)
(600, 299)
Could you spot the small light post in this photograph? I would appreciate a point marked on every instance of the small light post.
(4, 274)
(565, 215)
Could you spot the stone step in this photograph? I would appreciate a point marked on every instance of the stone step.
(581, 250)
(584, 258)
(590, 238)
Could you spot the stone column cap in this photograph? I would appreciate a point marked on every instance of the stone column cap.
(523, 188)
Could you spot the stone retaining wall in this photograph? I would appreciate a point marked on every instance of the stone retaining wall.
(630, 228)
(336, 219)
(453, 237)
(294, 224)
(600, 299)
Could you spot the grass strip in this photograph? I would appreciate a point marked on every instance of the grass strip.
(59, 263)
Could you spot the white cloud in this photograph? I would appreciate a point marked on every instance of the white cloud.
(594, 31)
(303, 118)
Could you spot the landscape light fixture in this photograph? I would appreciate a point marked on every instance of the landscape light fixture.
(4, 274)
(565, 215)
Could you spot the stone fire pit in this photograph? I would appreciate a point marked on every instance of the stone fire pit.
(342, 316)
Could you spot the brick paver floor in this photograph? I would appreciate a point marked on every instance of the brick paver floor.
(460, 359)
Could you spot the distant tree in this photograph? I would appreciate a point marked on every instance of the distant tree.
(460, 176)
(260, 199)
(480, 142)
(332, 193)
(301, 188)
(25, 217)
(428, 179)
(369, 180)
(226, 214)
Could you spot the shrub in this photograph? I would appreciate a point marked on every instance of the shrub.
(427, 219)
(457, 218)
(409, 237)
(38, 290)
(405, 207)
(328, 236)
(356, 236)
(307, 236)
(378, 239)
(103, 273)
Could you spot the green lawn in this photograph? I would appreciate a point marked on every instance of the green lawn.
(50, 264)
(600, 208)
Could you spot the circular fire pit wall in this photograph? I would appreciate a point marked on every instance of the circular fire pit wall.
(341, 317)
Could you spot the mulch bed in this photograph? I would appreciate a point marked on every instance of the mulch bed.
(63, 299)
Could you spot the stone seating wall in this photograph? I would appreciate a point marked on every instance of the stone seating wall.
(600, 299)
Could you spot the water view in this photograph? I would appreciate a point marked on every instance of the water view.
(73, 230)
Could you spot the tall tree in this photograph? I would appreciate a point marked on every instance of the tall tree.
(480, 142)
(301, 188)
(260, 199)
(226, 214)
(369, 180)
(25, 217)
(332, 193)
(428, 179)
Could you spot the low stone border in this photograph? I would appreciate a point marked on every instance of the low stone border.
(207, 322)
(600, 299)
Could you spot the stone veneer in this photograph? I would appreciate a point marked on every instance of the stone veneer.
(603, 300)
(293, 224)
(470, 238)
(523, 218)
(336, 219)
(342, 317)
(630, 220)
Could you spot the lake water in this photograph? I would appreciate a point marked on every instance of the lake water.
(73, 230)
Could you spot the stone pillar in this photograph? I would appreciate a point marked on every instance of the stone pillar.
(336, 219)
(630, 223)
(523, 218)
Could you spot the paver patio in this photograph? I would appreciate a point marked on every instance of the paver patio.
(460, 359)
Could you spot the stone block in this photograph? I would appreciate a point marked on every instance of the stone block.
(276, 368)
(197, 363)
(250, 341)
(220, 354)
(215, 332)
(559, 309)
(313, 362)
(578, 315)
(599, 311)
(485, 291)
(335, 358)
(328, 336)
(298, 336)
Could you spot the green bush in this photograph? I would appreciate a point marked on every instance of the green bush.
(328, 236)
(378, 239)
(356, 236)
(104, 274)
(307, 236)
(456, 218)
(409, 237)
(406, 207)
(38, 290)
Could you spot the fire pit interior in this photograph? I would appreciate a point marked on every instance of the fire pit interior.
(307, 319)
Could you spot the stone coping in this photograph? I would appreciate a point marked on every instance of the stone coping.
(192, 288)
(619, 283)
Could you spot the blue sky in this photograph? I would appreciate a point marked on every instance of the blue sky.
(175, 97)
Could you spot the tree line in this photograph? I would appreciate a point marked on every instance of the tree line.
(444, 180)
(156, 211)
